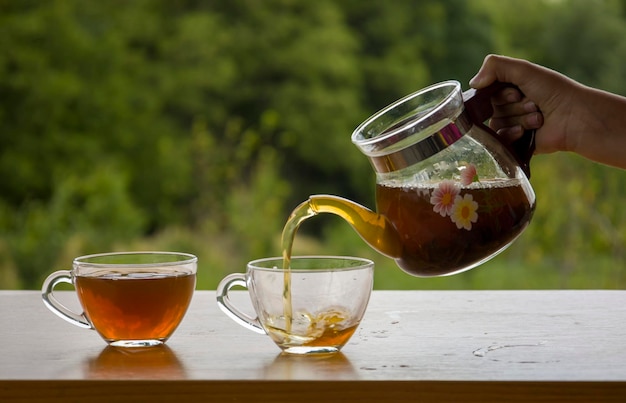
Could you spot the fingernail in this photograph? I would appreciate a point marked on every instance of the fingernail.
(513, 96)
(530, 106)
(534, 120)
(475, 81)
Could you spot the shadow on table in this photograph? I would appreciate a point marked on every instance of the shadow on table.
(135, 363)
(313, 366)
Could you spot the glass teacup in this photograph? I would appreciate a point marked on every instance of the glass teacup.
(315, 307)
(132, 299)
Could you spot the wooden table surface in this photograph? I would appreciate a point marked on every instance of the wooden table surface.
(460, 346)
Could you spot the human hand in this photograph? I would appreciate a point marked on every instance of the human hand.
(568, 116)
(538, 104)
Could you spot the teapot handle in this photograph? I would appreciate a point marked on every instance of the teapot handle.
(479, 109)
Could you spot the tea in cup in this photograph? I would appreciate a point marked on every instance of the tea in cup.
(315, 306)
(132, 299)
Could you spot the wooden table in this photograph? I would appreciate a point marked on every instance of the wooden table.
(460, 346)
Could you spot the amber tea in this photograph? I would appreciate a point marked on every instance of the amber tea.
(329, 328)
(135, 306)
(438, 239)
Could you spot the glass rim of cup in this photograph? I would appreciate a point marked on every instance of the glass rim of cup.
(85, 261)
(363, 263)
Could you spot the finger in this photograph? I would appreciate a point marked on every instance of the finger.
(527, 121)
(503, 69)
(510, 134)
(506, 96)
(523, 107)
(505, 123)
(532, 120)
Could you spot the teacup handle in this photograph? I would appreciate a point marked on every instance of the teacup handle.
(62, 276)
(245, 320)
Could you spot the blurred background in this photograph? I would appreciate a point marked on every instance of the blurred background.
(198, 126)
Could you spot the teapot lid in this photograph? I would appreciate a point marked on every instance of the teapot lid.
(413, 128)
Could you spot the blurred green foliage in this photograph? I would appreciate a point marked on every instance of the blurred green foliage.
(198, 125)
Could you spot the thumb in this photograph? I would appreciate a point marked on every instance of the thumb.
(481, 80)
(486, 75)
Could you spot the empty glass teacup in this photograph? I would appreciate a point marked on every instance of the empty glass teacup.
(315, 307)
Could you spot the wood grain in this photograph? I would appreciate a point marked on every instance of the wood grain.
(435, 346)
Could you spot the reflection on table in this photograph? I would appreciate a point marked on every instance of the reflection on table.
(135, 363)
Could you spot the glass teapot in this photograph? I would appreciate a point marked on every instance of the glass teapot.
(450, 195)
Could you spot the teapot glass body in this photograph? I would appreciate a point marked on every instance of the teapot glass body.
(450, 195)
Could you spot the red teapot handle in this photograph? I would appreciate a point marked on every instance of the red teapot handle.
(479, 109)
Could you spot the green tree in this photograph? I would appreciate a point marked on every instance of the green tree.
(199, 125)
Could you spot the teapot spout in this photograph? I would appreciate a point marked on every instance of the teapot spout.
(375, 229)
